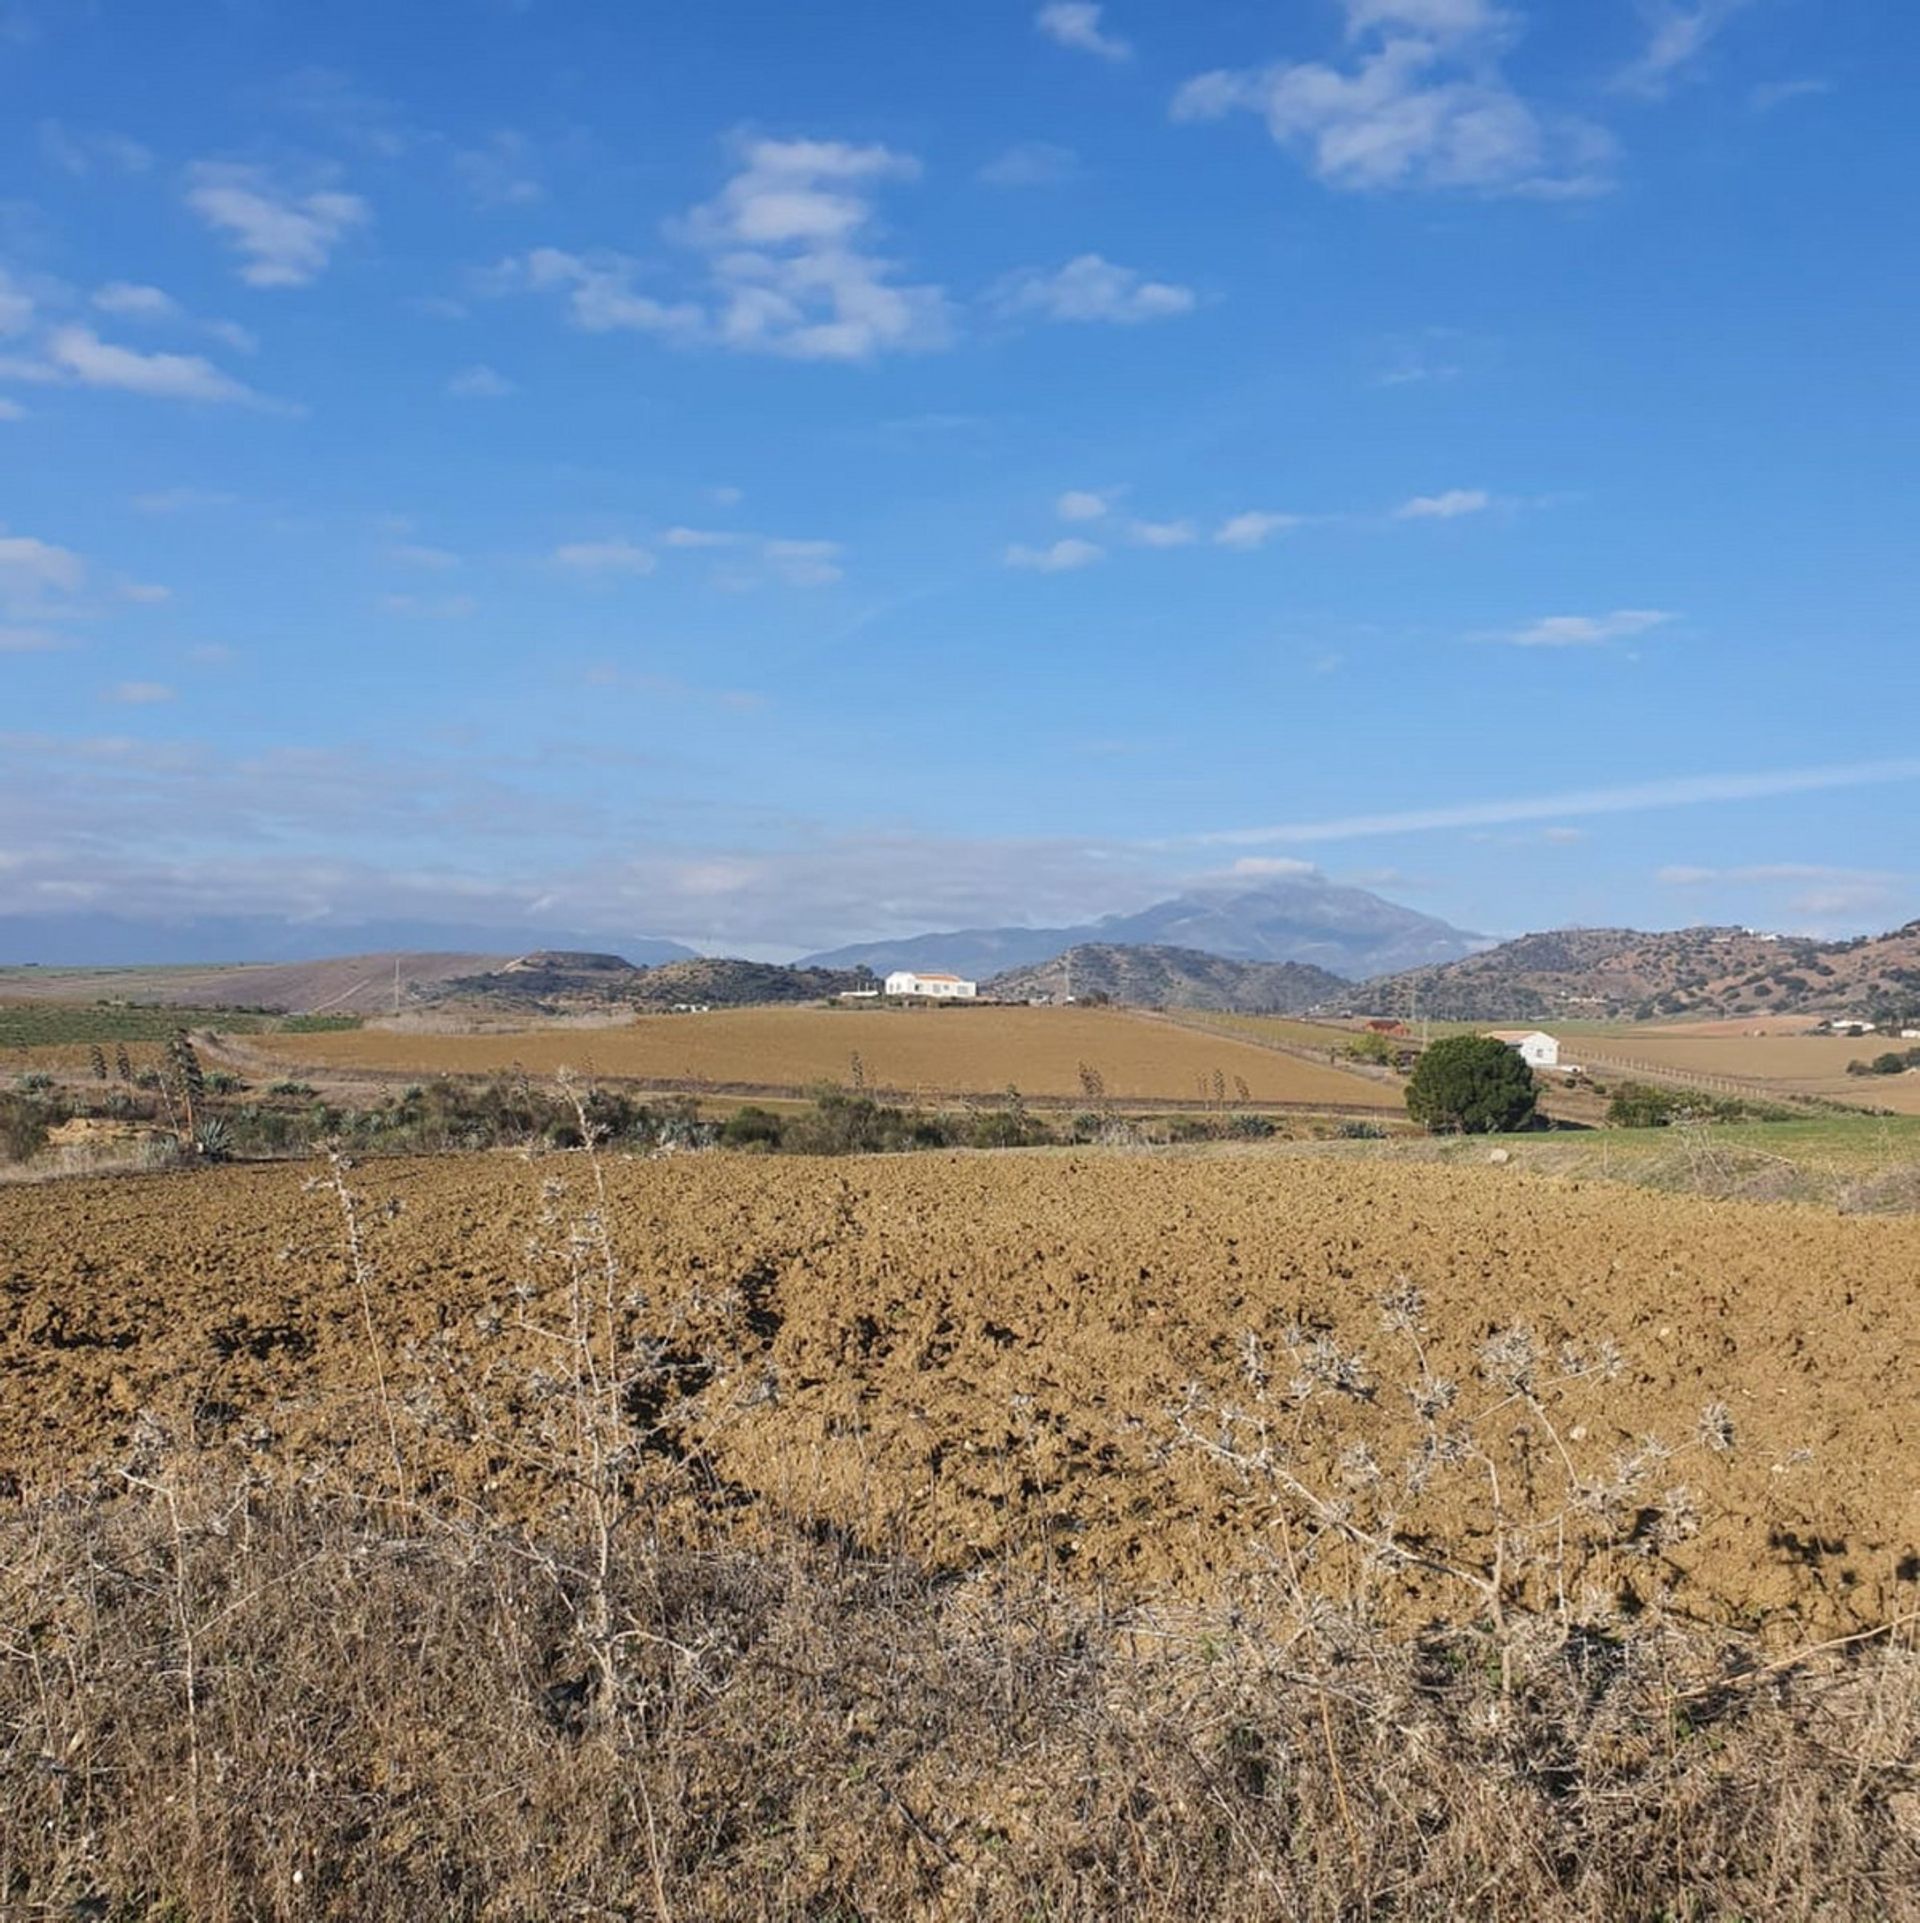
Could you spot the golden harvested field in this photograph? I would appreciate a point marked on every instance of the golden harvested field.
(982, 1359)
(1796, 1064)
(923, 1055)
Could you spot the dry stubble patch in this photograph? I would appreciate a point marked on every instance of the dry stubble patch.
(975, 1360)
(923, 1054)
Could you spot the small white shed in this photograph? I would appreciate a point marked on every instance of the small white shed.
(1533, 1048)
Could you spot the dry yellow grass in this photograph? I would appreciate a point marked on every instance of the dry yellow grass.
(1795, 1064)
(920, 1055)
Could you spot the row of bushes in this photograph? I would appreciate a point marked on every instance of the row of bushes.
(1895, 1061)
(292, 1119)
(1644, 1105)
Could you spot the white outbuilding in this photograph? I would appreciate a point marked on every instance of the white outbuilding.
(1533, 1048)
(934, 987)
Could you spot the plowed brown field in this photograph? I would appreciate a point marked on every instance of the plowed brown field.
(924, 1054)
(978, 1357)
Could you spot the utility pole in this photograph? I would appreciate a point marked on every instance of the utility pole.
(396, 984)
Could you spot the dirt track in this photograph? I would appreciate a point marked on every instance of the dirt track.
(971, 1357)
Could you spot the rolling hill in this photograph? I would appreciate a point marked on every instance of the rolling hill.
(1161, 977)
(1700, 972)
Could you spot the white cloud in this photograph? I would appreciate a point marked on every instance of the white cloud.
(33, 570)
(697, 537)
(788, 245)
(1163, 534)
(1679, 791)
(500, 173)
(134, 302)
(1255, 528)
(11, 410)
(286, 238)
(1449, 506)
(1031, 163)
(618, 556)
(600, 293)
(1270, 867)
(139, 694)
(31, 641)
(1425, 107)
(1676, 37)
(1770, 94)
(407, 554)
(479, 383)
(81, 153)
(145, 594)
(1076, 23)
(428, 607)
(1061, 558)
(788, 249)
(17, 306)
(1081, 504)
(79, 354)
(804, 564)
(1090, 288)
(1584, 630)
(1438, 19)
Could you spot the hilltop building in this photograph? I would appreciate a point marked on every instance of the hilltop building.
(934, 987)
(1535, 1049)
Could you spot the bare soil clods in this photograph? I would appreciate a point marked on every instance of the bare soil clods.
(970, 1358)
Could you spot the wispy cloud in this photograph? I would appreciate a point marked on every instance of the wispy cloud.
(1680, 791)
(1677, 36)
(1162, 534)
(618, 556)
(17, 640)
(1583, 630)
(285, 238)
(1076, 24)
(139, 694)
(1091, 288)
(430, 607)
(479, 383)
(1425, 105)
(79, 354)
(81, 152)
(1449, 506)
(1770, 94)
(34, 572)
(1031, 163)
(1062, 557)
(1255, 528)
(408, 554)
(1081, 504)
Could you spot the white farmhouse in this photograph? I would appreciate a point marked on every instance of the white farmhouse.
(936, 987)
(1535, 1049)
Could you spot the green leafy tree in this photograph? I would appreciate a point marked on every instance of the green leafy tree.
(1471, 1085)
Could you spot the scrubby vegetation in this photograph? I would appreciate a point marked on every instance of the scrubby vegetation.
(42, 1024)
(1652, 1105)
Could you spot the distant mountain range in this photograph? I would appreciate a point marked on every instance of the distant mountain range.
(1160, 977)
(1295, 918)
(88, 940)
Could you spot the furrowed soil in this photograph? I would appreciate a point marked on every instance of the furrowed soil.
(917, 1054)
(977, 1359)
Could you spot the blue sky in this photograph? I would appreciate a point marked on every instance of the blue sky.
(776, 475)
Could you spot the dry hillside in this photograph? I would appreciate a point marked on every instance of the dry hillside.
(1596, 972)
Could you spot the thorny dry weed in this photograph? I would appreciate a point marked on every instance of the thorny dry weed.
(229, 1700)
